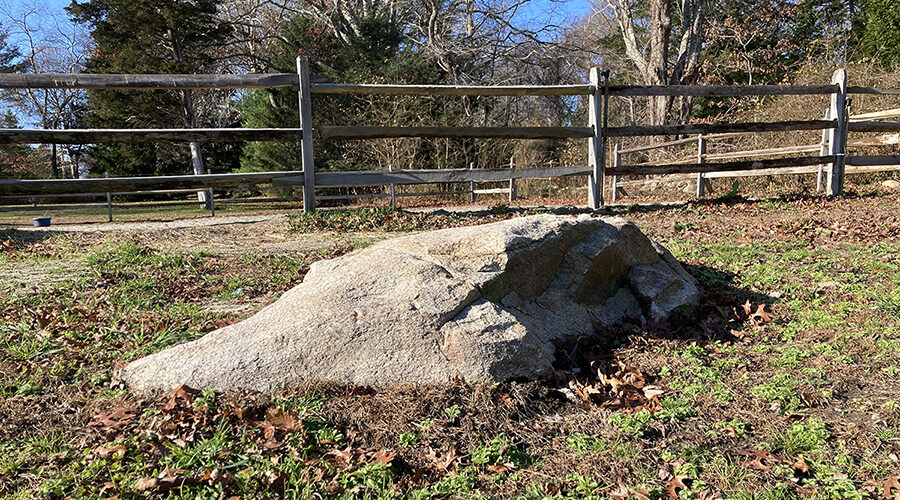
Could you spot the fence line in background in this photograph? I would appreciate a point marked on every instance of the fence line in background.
(832, 151)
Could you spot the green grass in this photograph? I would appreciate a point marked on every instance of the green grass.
(816, 383)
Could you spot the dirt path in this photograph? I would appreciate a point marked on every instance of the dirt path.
(226, 235)
(155, 225)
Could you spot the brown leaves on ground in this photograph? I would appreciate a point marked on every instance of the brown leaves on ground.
(765, 461)
(891, 488)
(117, 420)
(588, 374)
(168, 479)
(185, 417)
(8, 247)
(676, 485)
(611, 384)
(443, 462)
(758, 316)
(761, 460)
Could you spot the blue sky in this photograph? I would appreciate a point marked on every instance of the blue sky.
(558, 11)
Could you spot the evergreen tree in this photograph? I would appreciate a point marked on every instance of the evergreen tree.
(879, 33)
(376, 55)
(148, 36)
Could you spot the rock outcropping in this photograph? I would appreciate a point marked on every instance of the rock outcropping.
(478, 303)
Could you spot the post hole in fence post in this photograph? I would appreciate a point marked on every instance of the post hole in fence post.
(701, 154)
(838, 136)
(512, 182)
(309, 169)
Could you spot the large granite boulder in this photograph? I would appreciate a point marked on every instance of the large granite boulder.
(476, 303)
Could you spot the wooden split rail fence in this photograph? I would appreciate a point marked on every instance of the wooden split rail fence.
(597, 134)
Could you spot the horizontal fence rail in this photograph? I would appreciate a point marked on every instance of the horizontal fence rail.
(351, 133)
(875, 160)
(451, 90)
(711, 128)
(97, 186)
(867, 126)
(147, 81)
(128, 136)
(719, 90)
(114, 184)
(385, 177)
(113, 136)
(685, 168)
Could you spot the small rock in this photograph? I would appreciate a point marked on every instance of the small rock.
(891, 184)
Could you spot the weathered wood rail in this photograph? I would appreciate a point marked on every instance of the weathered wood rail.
(832, 151)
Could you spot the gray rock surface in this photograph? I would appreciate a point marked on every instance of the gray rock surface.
(477, 303)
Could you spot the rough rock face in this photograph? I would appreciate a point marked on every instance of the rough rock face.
(479, 303)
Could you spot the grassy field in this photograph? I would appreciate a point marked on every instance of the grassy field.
(800, 400)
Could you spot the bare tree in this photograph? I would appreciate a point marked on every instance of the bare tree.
(661, 55)
(49, 44)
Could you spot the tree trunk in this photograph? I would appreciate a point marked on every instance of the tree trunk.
(190, 121)
(54, 168)
(651, 54)
(196, 154)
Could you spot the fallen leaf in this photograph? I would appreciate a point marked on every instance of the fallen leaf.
(147, 483)
(281, 420)
(116, 420)
(891, 488)
(333, 488)
(642, 493)
(620, 493)
(676, 484)
(343, 458)
(800, 466)
(761, 316)
(762, 460)
(730, 430)
(384, 456)
(181, 392)
(445, 462)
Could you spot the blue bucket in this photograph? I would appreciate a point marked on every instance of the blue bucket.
(41, 221)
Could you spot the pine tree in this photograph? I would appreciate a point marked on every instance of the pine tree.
(148, 36)
(376, 55)
(879, 36)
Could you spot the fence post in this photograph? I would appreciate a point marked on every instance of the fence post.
(617, 161)
(512, 182)
(701, 153)
(309, 170)
(837, 137)
(393, 190)
(108, 201)
(823, 150)
(472, 184)
(595, 144)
